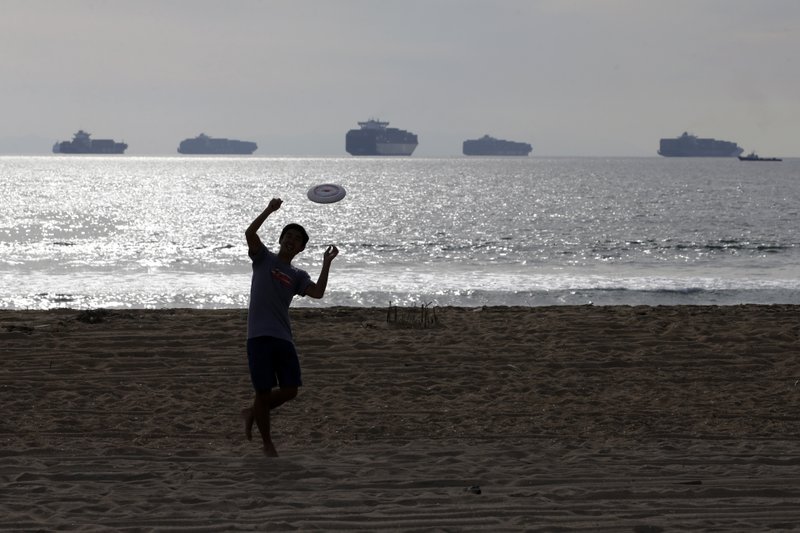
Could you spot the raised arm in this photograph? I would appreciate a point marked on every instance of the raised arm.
(317, 290)
(251, 233)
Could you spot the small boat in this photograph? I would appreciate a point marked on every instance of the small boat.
(752, 156)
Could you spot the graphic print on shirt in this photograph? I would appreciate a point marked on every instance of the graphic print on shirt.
(282, 278)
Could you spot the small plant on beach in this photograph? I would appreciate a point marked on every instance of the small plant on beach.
(93, 316)
(421, 317)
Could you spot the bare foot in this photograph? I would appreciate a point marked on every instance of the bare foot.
(247, 416)
(269, 450)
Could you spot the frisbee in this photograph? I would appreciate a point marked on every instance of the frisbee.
(327, 193)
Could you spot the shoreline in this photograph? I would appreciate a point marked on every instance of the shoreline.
(643, 418)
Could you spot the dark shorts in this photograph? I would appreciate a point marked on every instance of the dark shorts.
(272, 362)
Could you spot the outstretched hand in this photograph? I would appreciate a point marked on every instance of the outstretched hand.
(274, 205)
(331, 252)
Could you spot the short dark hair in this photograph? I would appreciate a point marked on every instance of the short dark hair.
(297, 227)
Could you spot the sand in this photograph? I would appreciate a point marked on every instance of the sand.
(640, 419)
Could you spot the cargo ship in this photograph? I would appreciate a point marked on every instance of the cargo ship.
(203, 144)
(376, 138)
(488, 145)
(82, 143)
(688, 145)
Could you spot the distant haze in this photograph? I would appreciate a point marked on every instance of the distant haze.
(573, 78)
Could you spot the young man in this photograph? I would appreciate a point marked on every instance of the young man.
(271, 353)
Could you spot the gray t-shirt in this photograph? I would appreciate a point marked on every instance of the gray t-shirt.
(272, 288)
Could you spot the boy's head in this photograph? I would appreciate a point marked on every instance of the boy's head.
(295, 227)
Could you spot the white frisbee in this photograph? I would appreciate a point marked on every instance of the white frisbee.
(326, 193)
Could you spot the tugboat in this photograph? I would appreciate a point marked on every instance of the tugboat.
(81, 143)
(376, 138)
(752, 156)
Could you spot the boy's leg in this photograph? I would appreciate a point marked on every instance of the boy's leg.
(261, 407)
(249, 419)
(277, 398)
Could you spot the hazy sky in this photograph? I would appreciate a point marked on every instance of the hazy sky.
(591, 77)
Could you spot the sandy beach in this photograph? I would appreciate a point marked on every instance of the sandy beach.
(640, 419)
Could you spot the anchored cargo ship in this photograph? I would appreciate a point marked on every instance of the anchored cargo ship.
(488, 145)
(376, 138)
(82, 143)
(203, 144)
(691, 146)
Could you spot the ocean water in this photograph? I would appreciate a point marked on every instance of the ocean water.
(151, 232)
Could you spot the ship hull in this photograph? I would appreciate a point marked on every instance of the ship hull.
(67, 148)
(372, 147)
(395, 148)
(758, 159)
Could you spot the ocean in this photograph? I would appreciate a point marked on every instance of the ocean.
(160, 232)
